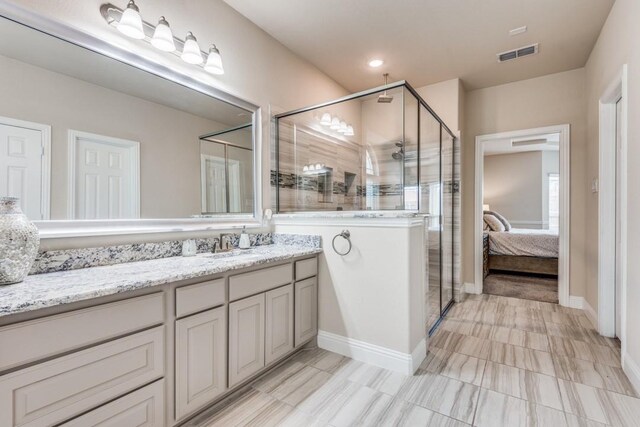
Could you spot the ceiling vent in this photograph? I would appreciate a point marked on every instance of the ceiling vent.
(518, 53)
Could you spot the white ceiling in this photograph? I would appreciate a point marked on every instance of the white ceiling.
(428, 41)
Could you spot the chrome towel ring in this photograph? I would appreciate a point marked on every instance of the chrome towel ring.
(345, 235)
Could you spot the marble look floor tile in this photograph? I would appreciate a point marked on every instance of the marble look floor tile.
(364, 407)
(576, 321)
(454, 365)
(379, 379)
(447, 396)
(297, 418)
(324, 403)
(575, 421)
(467, 327)
(404, 414)
(585, 402)
(521, 357)
(585, 351)
(579, 334)
(593, 374)
(297, 387)
(531, 386)
(500, 410)
(520, 338)
(277, 376)
(241, 410)
(328, 361)
(269, 416)
(459, 343)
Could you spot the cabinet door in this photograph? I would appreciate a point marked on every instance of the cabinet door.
(200, 359)
(246, 338)
(279, 323)
(306, 310)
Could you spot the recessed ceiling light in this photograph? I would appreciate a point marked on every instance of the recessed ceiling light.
(375, 63)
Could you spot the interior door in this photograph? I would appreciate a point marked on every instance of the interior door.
(618, 287)
(214, 181)
(21, 152)
(105, 183)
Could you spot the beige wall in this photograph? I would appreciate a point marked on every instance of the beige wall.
(515, 185)
(257, 67)
(550, 100)
(617, 45)
(446, 99)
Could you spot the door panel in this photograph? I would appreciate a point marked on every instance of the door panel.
(306, 310)
(21, 153)
(279, 323)
(201, 363)
(246, 338)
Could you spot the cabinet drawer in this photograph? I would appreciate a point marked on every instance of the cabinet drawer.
(247, 284)
(141, 408)
(61, 388)
(199, 297)
(306, 268)
(36, 339)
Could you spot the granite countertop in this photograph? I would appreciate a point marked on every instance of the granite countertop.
(51, 289)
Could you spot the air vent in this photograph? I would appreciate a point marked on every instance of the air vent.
(518, 53)
(524, 143)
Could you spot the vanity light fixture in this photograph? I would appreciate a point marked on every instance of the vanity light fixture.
(130, 23)
(349, 131)
(375, 63)
(335, 123)
(343, 127)
(163, 37)
(326, 119)
(214, 61)
(191, 51)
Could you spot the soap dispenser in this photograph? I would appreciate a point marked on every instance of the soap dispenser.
(244, 242)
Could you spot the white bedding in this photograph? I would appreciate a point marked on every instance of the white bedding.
(524, 242)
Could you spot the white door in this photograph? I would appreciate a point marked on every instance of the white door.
(618, 216)
(214, 184)
(104, 180)
(21, 158)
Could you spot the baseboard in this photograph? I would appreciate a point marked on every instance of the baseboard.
(576, 302)
(631, 368)
(372, 354)
(472, 288)
(592, 315)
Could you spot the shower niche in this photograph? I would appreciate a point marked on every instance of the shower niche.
(382, 149)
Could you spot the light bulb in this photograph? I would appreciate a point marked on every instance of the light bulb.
(163, 37)
(305, 168)
(343, 127)
(130, 22)
(214, 61)
(349, 131)
(318, 166)
(326, 119)
(335, 123)
(191, 51)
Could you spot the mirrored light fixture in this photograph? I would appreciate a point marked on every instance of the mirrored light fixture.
(191, 51)
(131, 22)
(349, 131)
(335, 123)
(214, 61)
(343, 127)
(326, 119)
(163, 37)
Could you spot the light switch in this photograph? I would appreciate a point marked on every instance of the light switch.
(594, 185)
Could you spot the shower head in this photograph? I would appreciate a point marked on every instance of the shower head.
(399, 144)
(384, 98)
(398, 155)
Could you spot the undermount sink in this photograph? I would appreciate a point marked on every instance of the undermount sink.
(228, 254)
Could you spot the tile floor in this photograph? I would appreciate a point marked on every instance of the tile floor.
(494, 361)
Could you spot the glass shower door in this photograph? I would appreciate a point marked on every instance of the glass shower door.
(448, 191)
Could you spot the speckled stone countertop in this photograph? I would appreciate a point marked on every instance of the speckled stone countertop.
(52, 289)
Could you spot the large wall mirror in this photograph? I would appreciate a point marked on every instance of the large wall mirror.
(84, 136)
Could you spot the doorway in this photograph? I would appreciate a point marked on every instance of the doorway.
(609, 316)
(551, 214)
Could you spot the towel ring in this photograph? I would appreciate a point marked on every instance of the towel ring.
(345, 235)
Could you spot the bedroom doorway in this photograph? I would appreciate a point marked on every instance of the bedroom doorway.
(522, 214)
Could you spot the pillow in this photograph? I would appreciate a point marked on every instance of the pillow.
(493, 223)
(502, 219)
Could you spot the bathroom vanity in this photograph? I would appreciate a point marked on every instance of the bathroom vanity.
(151, 342)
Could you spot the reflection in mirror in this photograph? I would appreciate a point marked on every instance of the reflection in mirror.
(226, 167)
(84, 136)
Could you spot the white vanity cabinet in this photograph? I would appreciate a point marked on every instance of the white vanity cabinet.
(154, 356)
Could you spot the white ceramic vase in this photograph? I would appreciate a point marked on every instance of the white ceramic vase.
(19, 242)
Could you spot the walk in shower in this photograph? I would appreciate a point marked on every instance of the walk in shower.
(383, 149)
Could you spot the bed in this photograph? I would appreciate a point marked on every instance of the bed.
(523, 250)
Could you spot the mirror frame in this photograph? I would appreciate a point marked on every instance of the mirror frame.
(74, 228)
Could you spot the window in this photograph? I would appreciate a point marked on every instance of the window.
(369, 164)
(554, 201)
